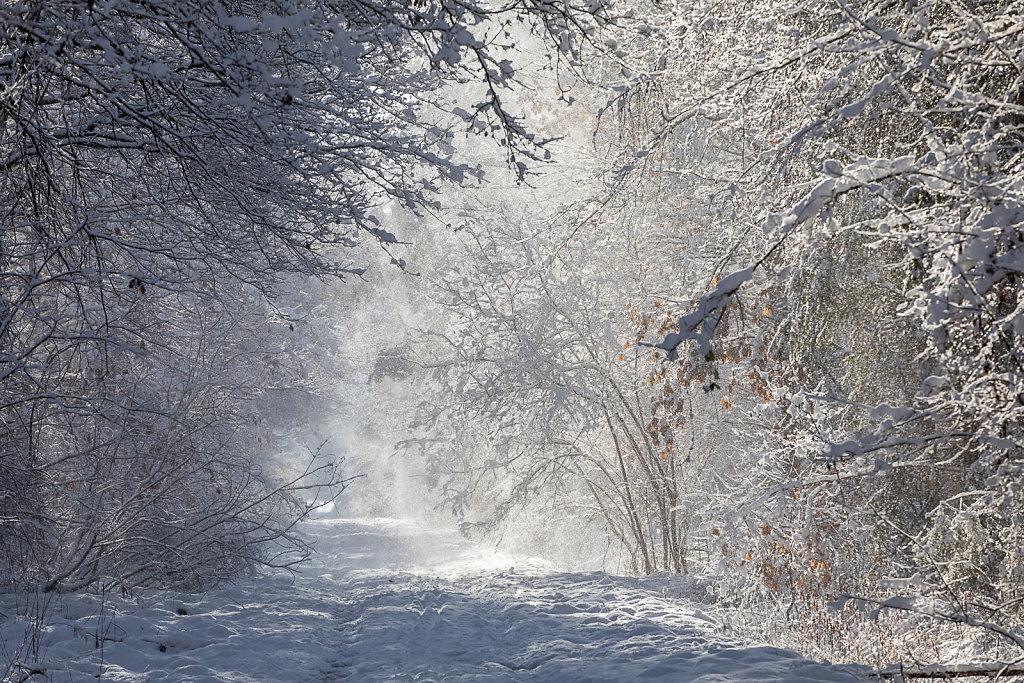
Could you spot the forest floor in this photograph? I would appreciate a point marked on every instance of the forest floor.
(387, 599)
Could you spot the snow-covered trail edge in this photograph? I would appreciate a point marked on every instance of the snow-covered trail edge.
(391, 600)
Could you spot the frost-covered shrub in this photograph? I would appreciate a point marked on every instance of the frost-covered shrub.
(895, 246)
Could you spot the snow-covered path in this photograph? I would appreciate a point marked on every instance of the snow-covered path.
(390, 600)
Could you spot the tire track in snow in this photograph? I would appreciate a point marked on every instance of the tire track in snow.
(426, 606)
(389, 600)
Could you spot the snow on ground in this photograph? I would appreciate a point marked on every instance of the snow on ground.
(388, 599)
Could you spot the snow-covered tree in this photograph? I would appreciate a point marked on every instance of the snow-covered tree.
(166, 170)
(884, 140)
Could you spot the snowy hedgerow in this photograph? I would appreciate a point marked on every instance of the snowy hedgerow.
(893, 226)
